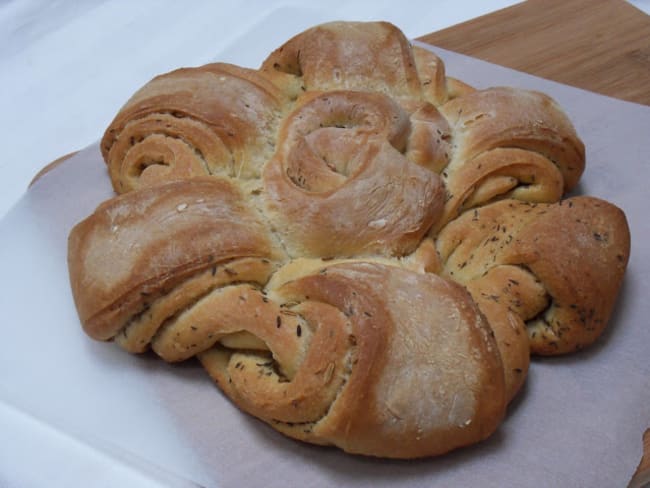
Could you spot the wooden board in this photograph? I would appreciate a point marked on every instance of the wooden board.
(599, 45)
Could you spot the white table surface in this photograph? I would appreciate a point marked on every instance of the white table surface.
(67, 67)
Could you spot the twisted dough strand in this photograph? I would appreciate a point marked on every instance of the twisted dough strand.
(508, 143)
(576, 249)
(137, 247)
(365, 355)
(217, 118)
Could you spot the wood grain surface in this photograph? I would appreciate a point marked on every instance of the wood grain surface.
(599, 45)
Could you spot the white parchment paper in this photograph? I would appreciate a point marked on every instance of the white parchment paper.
(577, 423)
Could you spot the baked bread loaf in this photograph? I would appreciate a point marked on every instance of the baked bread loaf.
(361, 251)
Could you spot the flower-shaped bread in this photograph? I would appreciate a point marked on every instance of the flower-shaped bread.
(360, 250)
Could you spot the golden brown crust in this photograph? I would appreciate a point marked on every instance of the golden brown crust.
(352, 148)
(136, 247)
(507, 117)
(508, 143)
(373, 57)
(339, 155)
(410, 368)
(576, 249)
(214, 119)
(501, 294)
